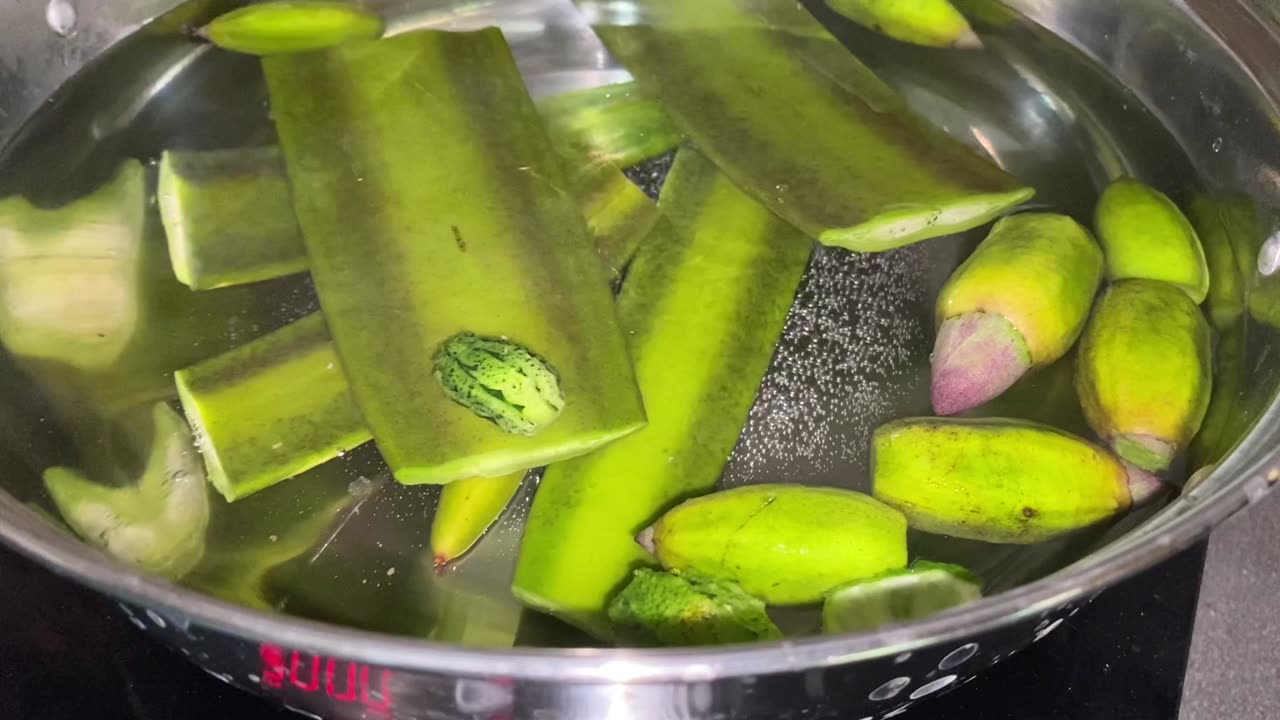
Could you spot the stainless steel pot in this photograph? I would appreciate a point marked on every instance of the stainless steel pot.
(1185, 94)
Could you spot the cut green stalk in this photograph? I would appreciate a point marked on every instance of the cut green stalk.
(228, 217)
(704, 301)
(465, 225)
(271, 409)
(809, 131)
(615, 124)
(159, 522)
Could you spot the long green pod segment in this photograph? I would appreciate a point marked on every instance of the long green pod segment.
(718, 251)
(803, 126)
(446, 212)
(271, 409)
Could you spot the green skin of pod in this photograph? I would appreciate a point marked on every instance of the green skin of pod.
(1144, 235)
(716, 250)
(932, 23)
(995, 480)
(1144, 372)
(787, 544)
(1018, 302)
(290, 26)
(474, 232)
(157, 523)
(467, 509)
(271, 409)
(501, 381)
(922, 590)
(614, 124)
(804, 127)
(228, 217)
(681, 609)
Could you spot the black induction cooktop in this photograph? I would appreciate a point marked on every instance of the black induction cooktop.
(67, 653)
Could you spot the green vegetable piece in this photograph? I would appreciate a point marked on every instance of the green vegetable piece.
(618, 214)
(680, 609)
(787, 544)
(92, 245)
(918, 592)
(704, 301)
(228, 217)
(158, 523)
(1000, 480)
(1232, 405)
(1019, 301)
(114, 342)
(804, 127)
(465, 226)
(932, 23)
(290, 26)
(500, 381)
(270, 409)
(1145, 371)
(1144, 235)
(614, 124)
(466, 510)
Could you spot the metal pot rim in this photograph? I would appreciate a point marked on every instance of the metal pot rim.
(1240, 480)
(1254, 468)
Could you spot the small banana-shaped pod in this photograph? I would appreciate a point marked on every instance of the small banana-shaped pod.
(1000, 480)
(158, 523)
(287, 26)
(932, 23)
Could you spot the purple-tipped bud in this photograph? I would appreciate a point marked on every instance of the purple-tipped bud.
(1143, 486)
(645, 540)
(976, 357)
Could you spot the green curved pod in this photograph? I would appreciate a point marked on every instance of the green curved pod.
(465, 225)
(931, 23)
(1018, 302)
(715, 250)
(1212, 222)
(271, 409)
(804, 127)
(289, 26)
(999, 480)
(466, 510)
(1145, 236)
(1144, 373)
(157, 522)
(227, 216)
(787, 544)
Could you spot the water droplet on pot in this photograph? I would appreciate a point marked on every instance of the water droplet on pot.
(1269, 256)
(61, 17)
(1216, 145)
